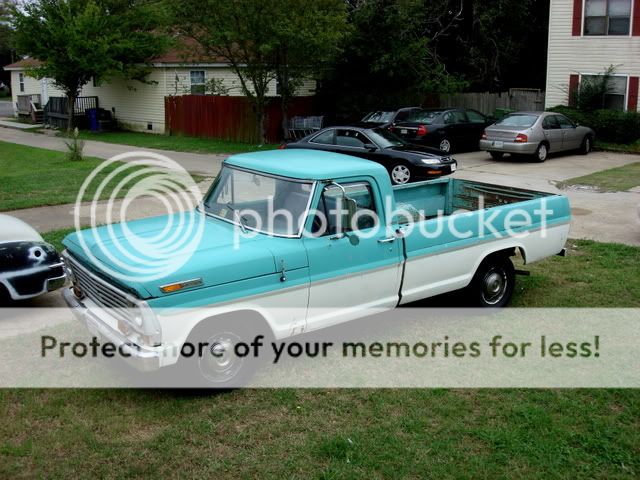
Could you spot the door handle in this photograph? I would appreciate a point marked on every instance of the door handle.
(387, 240)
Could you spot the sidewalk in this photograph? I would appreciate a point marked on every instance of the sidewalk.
(206, 164)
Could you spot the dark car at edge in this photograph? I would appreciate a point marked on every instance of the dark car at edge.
(405, 162)
(447, 129)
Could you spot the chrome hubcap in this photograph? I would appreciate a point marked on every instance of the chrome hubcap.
(494, 287)
(542, 152)
(400, 174)
(219, 362)
(445, 146)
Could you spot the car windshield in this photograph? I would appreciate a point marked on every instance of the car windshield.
(378, 117)
(424, 116)
(255, 201)
(517, 120)
(384, 138)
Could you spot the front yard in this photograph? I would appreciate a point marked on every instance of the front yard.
(618, 179)
(349, 433)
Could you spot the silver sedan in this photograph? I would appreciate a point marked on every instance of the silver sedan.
(536, 134)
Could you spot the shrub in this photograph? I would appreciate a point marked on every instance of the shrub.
(75, 147)
(610, 125)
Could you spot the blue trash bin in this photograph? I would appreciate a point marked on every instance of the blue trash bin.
(92, 116)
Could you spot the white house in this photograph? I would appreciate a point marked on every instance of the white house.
(140, 106)
(585, 38)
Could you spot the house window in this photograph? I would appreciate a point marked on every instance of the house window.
(21, 81)
(197, 82)
(616, 96)
(607, 17)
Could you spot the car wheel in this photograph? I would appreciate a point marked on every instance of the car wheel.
(400, 174)
(445, 146)
(497, 155)
(542, 152)
(587, 145)
(493, 284)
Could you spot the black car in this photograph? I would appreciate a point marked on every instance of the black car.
(449, 129)
(385, 118)
(404, 162)
(28, 265)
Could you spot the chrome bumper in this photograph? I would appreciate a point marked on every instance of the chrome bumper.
(509, 147)
(142, 358)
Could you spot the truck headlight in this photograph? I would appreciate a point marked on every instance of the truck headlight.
(430, 161)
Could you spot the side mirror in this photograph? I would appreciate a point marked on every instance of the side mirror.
(370, 147)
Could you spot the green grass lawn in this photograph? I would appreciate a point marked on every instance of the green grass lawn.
(33, 177)
(618, 179)
(335, 434)
(176, 143)
(618, 147)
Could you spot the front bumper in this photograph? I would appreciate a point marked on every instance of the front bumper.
(508, 147)
(437, 170)
(142, 358)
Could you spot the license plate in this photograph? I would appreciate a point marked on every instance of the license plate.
(498, 144)
(454, 168)
(403, 131)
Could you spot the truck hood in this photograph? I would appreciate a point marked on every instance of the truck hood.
(217, 258)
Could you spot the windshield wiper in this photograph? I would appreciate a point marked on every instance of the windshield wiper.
(236, 213)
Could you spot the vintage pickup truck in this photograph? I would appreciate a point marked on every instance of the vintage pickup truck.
(331, 264)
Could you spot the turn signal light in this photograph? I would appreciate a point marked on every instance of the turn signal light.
(422, 131)
(283, 146)
(521, 138)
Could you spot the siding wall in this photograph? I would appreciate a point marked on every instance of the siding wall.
(136, 105)
(570, 54)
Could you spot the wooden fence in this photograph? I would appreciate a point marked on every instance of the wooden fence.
(485, 102)
(229, 118)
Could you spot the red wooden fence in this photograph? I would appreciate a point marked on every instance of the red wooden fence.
(229, 118)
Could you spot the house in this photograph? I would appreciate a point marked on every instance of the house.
(141, 106)
(585, 38)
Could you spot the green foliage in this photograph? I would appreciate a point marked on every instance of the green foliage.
(75, 147)
(78, 40)
(590, 94)
(610, 125)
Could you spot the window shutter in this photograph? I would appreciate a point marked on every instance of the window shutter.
(574, 82)
(577, 17)
(632, 102)
(635, 27)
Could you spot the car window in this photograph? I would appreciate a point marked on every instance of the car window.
(518, 120)
(379, 117)
(427, 117)
(350, 138)
(564, 121)
(325, 138)
(455, 116)
(405, 114)
(550, 123)
(475, 117)
(328, 221)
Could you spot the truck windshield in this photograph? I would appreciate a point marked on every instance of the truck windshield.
(259, 202)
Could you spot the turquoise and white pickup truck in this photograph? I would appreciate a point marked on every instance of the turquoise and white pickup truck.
(341, 243)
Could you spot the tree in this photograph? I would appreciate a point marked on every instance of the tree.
(6, 40)
(264, 40)
(77, 40)
(308, 35)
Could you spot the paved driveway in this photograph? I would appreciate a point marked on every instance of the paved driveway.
(6, 108)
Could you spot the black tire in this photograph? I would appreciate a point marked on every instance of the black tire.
(493, 283)
(497, 155)
(587, 145)
(445, 145)
(219, 367)
(400, 174)
(542, 153)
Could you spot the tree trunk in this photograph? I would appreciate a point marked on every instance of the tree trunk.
(71, 105)
(261, 117)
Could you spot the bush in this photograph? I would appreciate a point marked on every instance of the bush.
(610, 125)
(75, 147)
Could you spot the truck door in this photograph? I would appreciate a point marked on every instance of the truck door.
(350, 269)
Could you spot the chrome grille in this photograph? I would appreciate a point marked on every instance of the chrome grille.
(100, 291)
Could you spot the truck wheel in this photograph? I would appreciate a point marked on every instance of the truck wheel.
(492, 285)
(400, 174)
(586, 146)
(542, 152)
(497, 155)
(227, 359)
